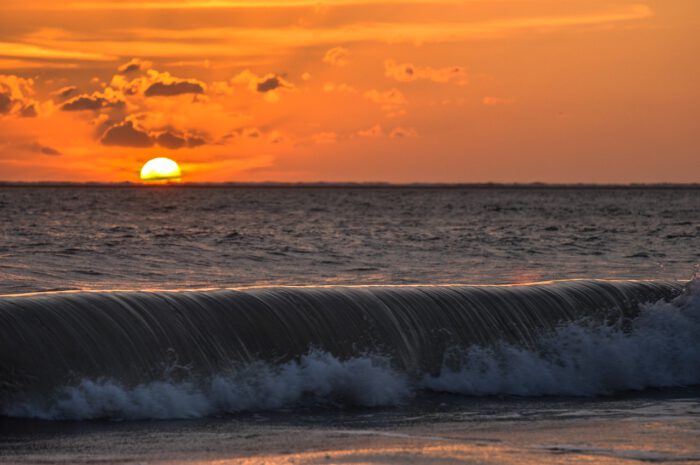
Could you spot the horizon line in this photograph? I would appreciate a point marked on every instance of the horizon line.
(350, 184)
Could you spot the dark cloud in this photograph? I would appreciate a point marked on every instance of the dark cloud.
(90, 102)
(129, 67)
(242, 133)
(171, 141)
(195, 141)
(43, 149)
(125, 134)
(268, 84)
(84, 103)
(162, 89)
(5, 103)
(49, 151)
(134, 65)
(175, 141)
(28, 111)
(65, 92)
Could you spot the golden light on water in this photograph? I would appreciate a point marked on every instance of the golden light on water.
(161, 168)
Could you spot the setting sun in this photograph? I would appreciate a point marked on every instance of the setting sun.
(160, 168)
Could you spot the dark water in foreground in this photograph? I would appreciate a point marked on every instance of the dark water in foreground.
(417, 370)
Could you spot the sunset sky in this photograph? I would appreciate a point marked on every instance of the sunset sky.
(352, 90)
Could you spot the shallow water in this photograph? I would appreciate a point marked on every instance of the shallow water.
(650, 427)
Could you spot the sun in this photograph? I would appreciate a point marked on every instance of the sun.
(159, 169)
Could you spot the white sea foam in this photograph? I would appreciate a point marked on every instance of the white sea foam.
(658, 349)
(317, 377)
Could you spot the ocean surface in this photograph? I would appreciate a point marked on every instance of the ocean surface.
(103, 238)
(178, 324)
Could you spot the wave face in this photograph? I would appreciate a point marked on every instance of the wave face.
(197, 353)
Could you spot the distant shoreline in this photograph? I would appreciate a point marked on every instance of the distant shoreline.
(350, 185)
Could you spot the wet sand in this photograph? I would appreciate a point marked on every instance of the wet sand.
(640, 430)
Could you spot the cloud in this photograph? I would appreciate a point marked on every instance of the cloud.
(171, 141)
(391, 101)
(206, 63)
(28, 111)
(327, 137)
(408, 72)
(84, 102)
(133, 65)
(125, 134)
(15, 96)
(157, 84)
(65, 92)
(270, 84)
(5, 102)
(219, 88)
(42, 149)
(276, 137)
(373, 132)
(253, 134)
(398, 132)
(195, 141)
(186, 42)
(342, 88)
(167, 89)
(266, 83)
(250, 133)
(94, 102)
(389, 97)
(497, 101)
(337, 56)
(22, 50)
(402, 133)
(225, 4)
(25, 64)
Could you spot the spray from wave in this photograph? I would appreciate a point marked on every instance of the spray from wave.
(318, 378)
(659, 348)
(566, 345)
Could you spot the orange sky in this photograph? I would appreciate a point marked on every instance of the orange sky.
(352, 90)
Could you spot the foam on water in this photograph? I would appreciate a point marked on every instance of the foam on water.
(317, 378)
(657, 349)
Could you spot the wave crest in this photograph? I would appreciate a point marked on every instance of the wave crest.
(658, 347)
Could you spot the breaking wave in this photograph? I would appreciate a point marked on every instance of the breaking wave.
(138, 355)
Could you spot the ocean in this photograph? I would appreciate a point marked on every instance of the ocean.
(329, 324)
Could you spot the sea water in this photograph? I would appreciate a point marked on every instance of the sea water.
(346, 325)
